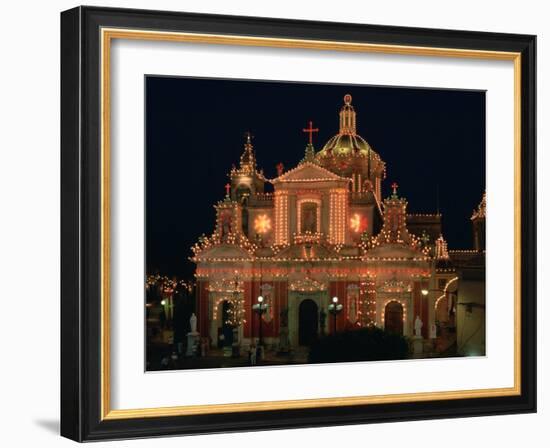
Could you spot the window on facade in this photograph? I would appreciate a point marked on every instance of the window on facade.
(309, 217)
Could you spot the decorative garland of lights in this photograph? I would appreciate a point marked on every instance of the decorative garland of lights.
(226, 286)
(167, 285)
(232, 238)
(329, 271)
(307, 237)
(375, 157)
(444, 270)
(215, 308)
(307, 285)
(464, 251)
(330, 176)
(367, 296)
(236, 311)
(395, 286)
(452, 280)
(338, 198)
(441, 252)
(281, 218)
(394, 229)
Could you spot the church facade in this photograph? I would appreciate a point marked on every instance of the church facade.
(322, 233)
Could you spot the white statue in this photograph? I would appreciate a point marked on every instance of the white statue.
(418, 327)
(193, 338)
(193, 323)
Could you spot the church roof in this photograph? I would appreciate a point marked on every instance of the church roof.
(343, 145)
(309, 172)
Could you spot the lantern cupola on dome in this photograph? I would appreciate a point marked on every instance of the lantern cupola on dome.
(350, 155)
(347, 117)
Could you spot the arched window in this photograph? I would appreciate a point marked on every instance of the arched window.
(243, 193)
(309, 217)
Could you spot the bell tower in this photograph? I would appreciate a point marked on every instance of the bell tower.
(246, 180)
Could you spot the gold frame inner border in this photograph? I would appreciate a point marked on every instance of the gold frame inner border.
(107, 36)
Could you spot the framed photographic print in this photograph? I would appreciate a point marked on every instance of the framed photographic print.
(273, 224)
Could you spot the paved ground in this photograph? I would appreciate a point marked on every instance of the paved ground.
(160, 358)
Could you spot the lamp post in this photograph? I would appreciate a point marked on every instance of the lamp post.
(424, 291)
(260, 308)
(334, 308)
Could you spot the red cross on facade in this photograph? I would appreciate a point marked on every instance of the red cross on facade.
(310, 131)
(394, 186)
(227, 189)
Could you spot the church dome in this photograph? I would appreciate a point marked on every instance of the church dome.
(347, 142)
(345, 145)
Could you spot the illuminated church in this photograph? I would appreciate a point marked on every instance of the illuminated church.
(324, 232)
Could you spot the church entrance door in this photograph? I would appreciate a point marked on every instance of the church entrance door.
(393, 317)
(308, 322)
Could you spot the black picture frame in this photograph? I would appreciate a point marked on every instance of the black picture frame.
(81, 227)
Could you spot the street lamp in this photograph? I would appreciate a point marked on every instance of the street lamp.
(260, 308)
(334, 308)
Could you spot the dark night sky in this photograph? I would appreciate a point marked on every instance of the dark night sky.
(430, 139)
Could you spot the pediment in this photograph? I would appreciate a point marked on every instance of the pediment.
(309, 172)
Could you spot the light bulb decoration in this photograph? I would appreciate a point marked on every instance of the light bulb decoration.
(262, 224)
